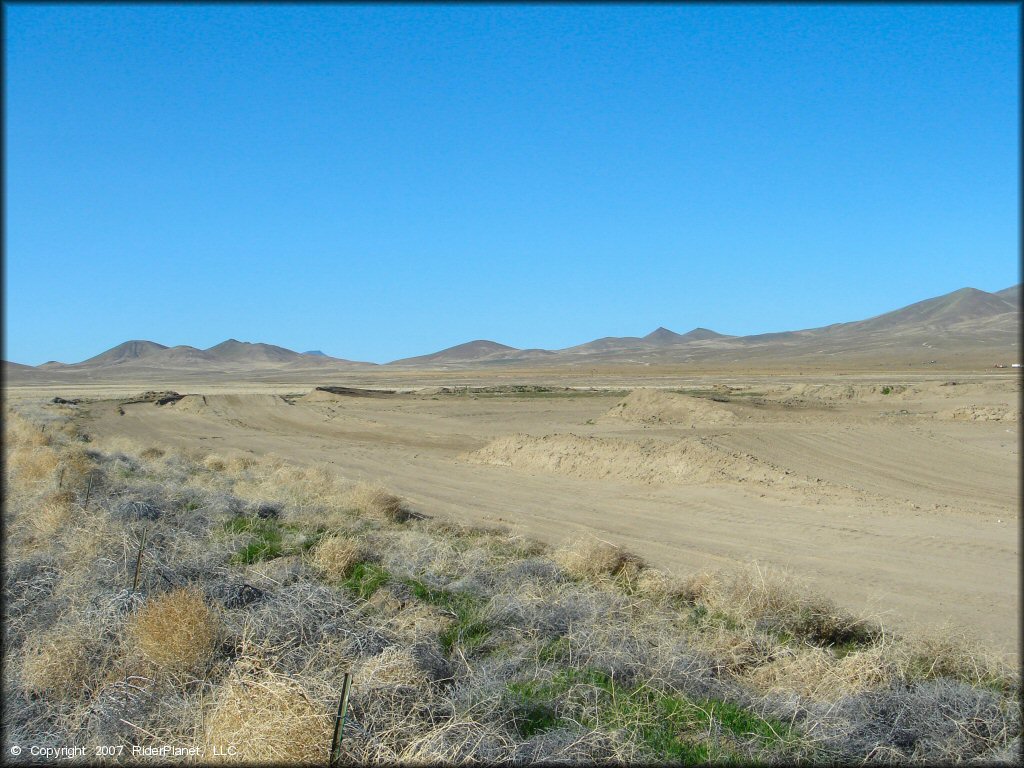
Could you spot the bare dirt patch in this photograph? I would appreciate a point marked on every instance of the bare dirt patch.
(654, 406)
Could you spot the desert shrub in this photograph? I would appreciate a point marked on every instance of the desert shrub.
(269, 719)
(754, 598)
(949, 653)
(936, 721)
(377, 501)
(215, 463)
(593, 559)
(32, 463)
(61, 661)
(336, 556)
(19, 432)
(176, 631)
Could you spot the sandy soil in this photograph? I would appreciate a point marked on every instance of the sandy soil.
(902, 503)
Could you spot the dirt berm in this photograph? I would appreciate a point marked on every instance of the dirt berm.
(693, 460)
(655, 406)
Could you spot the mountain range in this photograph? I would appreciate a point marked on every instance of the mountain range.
(967, 326)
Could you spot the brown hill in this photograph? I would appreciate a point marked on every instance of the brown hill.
(472, 351)
(125, 352)
(1011, 294)
(234, 351)
(945, 311)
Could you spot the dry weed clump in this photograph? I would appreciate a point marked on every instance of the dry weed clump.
(267, 720)
(817, 674)
(32, 464)
(215, 463)
(393, 666)
(59, 662)
(756, 598)
(239, 464)
(311, 495)
(19, 432)
(376, 501)
(54, 513)
(153, 453)
(176, 631)
(595, 559)
(951, 653)
(335, 556)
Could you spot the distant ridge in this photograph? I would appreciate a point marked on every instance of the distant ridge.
(966, 326)
(236, 351)
(943, 311)
(1011, 294)
(665, 336)
(470, 351)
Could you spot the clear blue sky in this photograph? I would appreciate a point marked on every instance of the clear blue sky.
(384, 181)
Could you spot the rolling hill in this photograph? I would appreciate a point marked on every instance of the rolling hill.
(964, 327)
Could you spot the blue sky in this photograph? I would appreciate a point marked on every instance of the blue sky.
(383, 181)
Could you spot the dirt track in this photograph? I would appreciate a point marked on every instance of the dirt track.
(886, 501)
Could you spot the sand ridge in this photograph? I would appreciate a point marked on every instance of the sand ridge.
(655, 406)
(688, 460)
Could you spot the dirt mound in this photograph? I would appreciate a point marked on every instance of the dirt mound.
(982, 413)
(333, 394)
(160, 398)
(691, 461)
(655, 406)
(228, 406)
(864, 393)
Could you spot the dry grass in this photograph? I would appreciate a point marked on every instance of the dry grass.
(376, 501)
(267, 719)
(756, 597)
(75, 467)
(55, 512)
(950, 653)
(393, 666)
(335, 556)
(32, 463)
(176, 631)
(595, 559)
(215, 463)
(817, 674)
(59, 662)
(19, 432)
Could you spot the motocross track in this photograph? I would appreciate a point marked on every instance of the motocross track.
(898, 499)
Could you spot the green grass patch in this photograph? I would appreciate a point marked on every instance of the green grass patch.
(672, 728)
(555, 650)
(366, 579)
(470, 629)
(262, 548)
(268, 539)
(533, 712)
(701, 618)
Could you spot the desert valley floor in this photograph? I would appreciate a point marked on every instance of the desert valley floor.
(896, 496)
